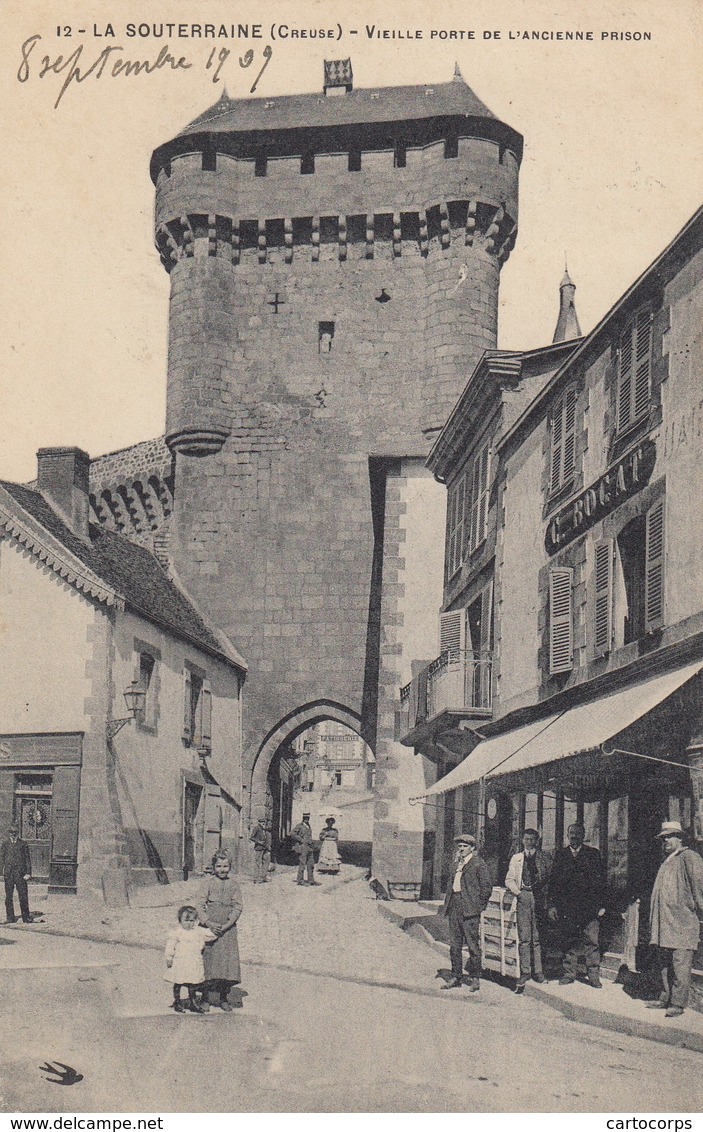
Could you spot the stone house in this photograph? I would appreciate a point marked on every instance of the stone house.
(596, 635)
(105, 800)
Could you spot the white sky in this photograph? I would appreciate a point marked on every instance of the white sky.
(613, 168)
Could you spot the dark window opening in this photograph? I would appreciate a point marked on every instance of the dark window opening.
(260, 166)
(325, 334)
(307, 163)
(632, 551)
(338, 778)
(354, 160)
(400, 156)
(146, 674)
(209, 161)
(451, 147)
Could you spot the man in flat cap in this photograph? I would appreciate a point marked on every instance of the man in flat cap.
(468, 893)
(302, 845)
(16, 867)
(675, 913)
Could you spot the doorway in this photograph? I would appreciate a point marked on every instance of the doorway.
(33, 810)
(192, 795)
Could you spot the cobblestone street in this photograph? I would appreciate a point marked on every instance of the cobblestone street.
(342, 1012)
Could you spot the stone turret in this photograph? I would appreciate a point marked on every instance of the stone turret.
(567, 323)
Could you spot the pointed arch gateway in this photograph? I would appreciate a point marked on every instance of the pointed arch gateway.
(287, 730)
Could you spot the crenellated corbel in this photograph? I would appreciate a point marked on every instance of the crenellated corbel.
(494, 228)
(424, 234)
(342, 235)
(369, 236)
(397, 236)
(471, 223)
(288, 239)
(315, 239)
(188, 237)
(261, 241)
(444, 225)
(236, 243)
(211, 234)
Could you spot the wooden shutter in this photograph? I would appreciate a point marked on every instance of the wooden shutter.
(455, 526)
(654, 569)
(206, 715)
(452, 630)
(487, 619)
(561, 619)
(625, 377)
(603, 598)
(187, 716)
(643, 363)
(563, 440)
(65, 794)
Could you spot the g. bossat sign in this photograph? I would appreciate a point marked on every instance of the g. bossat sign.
(617, 484)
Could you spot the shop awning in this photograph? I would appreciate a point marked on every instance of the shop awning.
(577, 729)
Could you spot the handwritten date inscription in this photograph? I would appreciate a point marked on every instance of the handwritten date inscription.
(74, 68)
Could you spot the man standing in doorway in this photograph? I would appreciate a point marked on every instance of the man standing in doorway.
(16, 867)
(302, 845)
(675, 914)
(468, 893)
(527, 879)
(576, 895)
(258, 840)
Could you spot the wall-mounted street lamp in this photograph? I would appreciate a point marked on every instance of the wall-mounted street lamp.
(135, 698)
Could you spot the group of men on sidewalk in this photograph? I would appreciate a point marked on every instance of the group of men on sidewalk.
(571, 894)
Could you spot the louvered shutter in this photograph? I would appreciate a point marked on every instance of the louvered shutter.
(206, 715)
(487, 619)
(625, 377)
(643, 363)
(557, 435)
(603, 599)
(455, 527)
(561, 628)
(654, 569)
(569, 441)
(187, 709)
(452, 631)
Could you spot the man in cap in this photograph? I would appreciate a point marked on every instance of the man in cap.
(675, 913)
(468, 893)
(258, 840)
(302, 845)
(16, 867)
(527, 879)
(576, 895)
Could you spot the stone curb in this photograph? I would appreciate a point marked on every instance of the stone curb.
(574, 1011)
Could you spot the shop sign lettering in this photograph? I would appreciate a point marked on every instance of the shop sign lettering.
(624, 479)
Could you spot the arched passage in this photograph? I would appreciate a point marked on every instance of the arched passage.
(268, 784)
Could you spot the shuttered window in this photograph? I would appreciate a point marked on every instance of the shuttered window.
(561, 619)
(456, 511)
(634, 369)
(452, 630)
(563, 440)
(477, 500)
(603, 597)
(654, 569)
(197, 710)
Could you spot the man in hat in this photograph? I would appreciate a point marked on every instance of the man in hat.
(576, 896)
(302, 845)
(468, 893)
(258, 840)
(16, 867)
(675, 914)
(527, 879)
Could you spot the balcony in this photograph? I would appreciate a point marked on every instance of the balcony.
(458, 683)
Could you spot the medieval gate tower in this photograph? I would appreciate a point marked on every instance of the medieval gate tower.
(334, 264)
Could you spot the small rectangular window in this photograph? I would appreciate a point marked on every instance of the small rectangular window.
(147, 684)
(197, 710)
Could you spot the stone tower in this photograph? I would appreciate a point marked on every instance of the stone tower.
(334, 263)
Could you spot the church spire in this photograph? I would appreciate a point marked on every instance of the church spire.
(568, 323)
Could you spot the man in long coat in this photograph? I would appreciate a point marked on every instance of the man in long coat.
(675, 914)
(16, 867)
(468, 892)
(576, 898)
(302, 840)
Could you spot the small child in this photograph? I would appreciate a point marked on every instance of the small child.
(184, 959)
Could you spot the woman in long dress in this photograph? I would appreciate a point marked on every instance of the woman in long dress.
(219, 908)
(329, 859)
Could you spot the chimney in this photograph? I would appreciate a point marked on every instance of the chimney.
(62, 478)
(338, 77)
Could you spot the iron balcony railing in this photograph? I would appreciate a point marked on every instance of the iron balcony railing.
(459, 680)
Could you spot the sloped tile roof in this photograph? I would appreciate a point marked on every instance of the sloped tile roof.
(129, 570)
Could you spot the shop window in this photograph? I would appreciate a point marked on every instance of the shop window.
(617, 843)
(562, 447)
(634, 369)
(197, 710)
(591, 823)
(561, 619)
(549, 822)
